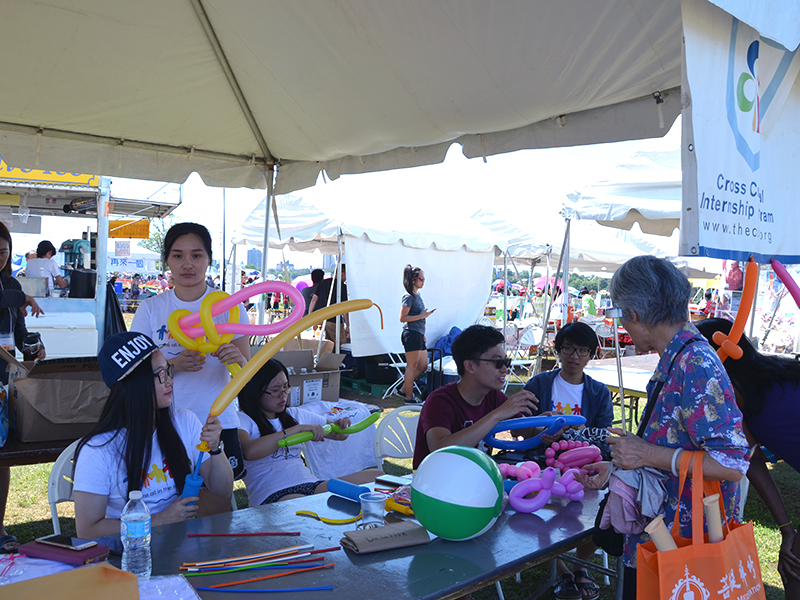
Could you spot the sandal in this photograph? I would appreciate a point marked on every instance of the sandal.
(588, 584)
(8, 544)
(565, 587)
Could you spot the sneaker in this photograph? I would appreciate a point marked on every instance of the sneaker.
(415, 400)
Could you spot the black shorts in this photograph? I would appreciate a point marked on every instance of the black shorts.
(413, 341)
(306, 489)
(233, 450)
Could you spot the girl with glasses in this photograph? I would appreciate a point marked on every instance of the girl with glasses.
(568, 390)
(142, 442)
(274, 473)
(412, 316)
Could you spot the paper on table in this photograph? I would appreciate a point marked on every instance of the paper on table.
(397, 535)
(103, 580)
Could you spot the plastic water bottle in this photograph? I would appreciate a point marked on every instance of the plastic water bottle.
(135, 534)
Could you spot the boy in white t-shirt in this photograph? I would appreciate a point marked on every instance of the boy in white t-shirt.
(569, 390)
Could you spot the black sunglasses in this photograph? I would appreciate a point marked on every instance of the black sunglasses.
(499, 363)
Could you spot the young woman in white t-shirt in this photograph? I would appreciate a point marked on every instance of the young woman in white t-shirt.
(142, 443)
(274, 473)
(198, 378)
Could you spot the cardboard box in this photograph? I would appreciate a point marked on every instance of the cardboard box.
(55, 399)
(312, 386)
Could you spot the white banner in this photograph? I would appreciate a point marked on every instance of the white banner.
(457, 285)
(741, 126)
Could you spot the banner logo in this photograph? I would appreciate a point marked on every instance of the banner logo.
(760, 76)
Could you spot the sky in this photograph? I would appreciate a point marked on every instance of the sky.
(526, 187)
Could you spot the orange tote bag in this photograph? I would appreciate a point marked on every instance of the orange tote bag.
(727, 570)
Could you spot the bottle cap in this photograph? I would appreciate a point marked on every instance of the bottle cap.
(135, 495)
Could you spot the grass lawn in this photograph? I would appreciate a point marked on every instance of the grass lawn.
(28, 517)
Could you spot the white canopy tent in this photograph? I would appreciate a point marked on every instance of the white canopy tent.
(376, 251)
(158, 90)
(645, 189)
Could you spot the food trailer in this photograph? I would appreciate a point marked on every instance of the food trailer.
(72, 326)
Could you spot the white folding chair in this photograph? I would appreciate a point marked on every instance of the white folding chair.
(605, 335)
(400, 366)
(511, 333)
(520, 354)
(59, 485)
(396, 433)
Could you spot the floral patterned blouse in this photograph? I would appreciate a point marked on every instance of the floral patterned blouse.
(695, 410)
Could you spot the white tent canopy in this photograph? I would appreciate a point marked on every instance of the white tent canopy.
(305, 227)
(455, 252)
(645, 188)
(593, 248)
(158, 90)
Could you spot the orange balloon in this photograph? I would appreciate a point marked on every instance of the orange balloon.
(728, 344)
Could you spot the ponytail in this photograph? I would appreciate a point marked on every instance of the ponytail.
(409, 273)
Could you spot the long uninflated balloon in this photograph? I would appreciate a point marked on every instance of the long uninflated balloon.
(786, 279)
(239, 380)
(729, 344)
(307, 436)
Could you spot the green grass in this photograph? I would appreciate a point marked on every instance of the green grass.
(28, 517)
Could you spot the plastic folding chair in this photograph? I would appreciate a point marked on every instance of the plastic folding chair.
(59, 485)
(605, 335)
(396, 434)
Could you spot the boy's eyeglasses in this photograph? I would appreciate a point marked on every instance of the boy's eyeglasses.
(162, 374)
(499, 363)
(570, 350)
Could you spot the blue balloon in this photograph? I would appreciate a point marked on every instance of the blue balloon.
(552, 422)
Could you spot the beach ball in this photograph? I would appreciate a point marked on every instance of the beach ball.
(457, 493)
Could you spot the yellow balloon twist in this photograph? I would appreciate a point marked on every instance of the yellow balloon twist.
(214, 340)
(241, 378)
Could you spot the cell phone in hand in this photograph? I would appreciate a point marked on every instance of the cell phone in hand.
(65, 541)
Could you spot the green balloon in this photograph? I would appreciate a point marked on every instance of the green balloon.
(305, 436)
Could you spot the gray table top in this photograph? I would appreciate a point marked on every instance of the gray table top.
(636, 372)
(437, 570)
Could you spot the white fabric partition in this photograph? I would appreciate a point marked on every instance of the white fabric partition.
(456, 285)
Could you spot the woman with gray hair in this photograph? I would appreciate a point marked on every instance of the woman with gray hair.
(690, 401)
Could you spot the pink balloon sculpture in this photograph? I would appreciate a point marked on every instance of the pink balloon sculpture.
(573, 454)
(520, 472)
(246, 328)
(546, 486)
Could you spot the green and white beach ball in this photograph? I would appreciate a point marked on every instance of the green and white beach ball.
(457, 493)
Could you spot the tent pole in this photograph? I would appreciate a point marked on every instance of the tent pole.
(265, 242)
(549, 305)
(338, 281)
(753, 310)
(522, 303)
(505, 292)
(224, 233)
(565, 281)
(545, 293)
(236, 276)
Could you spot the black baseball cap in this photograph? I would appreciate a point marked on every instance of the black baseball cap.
(122, 353)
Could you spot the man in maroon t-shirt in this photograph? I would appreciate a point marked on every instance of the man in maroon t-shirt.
(463, 413)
